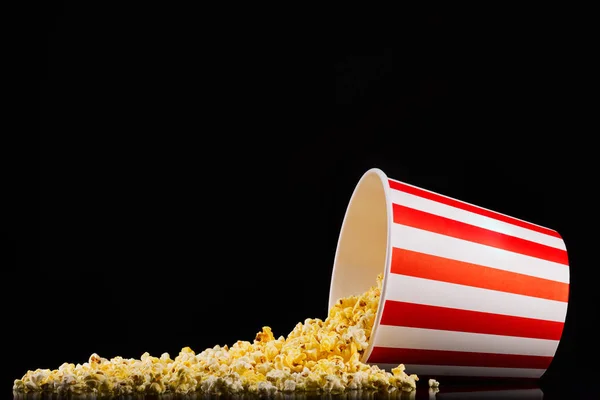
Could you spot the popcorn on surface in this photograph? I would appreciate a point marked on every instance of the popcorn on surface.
(316, 356)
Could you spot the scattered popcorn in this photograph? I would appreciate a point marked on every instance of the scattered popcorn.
(316, 356)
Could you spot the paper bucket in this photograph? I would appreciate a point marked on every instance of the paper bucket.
(466, 292)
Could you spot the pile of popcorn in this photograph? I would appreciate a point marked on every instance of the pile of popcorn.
(317, 356)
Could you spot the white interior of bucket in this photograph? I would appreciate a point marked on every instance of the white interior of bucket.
(362, 249)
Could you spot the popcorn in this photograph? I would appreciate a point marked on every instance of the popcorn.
(316, 356)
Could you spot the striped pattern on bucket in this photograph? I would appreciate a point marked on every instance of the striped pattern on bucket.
(470, 291)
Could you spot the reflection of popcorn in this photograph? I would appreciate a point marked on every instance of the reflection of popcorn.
(316, 356)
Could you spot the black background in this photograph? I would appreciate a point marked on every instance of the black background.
(195, 165)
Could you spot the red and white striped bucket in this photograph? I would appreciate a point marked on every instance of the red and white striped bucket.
(466, 291)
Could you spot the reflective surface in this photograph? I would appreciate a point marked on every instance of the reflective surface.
(451, 392)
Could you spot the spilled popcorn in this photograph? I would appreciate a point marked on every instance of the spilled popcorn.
(317, 356)
(433, 383)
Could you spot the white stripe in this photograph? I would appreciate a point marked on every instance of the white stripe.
(471, 218)
(439, 370)
(521, 394)
(410, 289)
(470, 204)
(433, 339)
(409, 238)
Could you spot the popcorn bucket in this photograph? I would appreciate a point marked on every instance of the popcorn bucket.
(467, 292)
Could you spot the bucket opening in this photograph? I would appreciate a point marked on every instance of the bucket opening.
(363, 246)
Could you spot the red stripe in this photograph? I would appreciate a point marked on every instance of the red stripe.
(399, 313)
(449, 227)
(469, 207)
(420, 265)
(390, 355)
